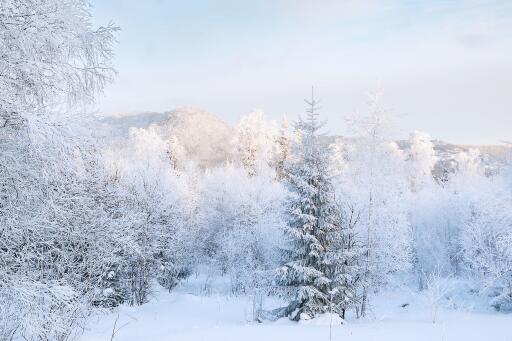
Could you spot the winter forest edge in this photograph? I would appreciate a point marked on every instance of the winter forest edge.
(93, 218)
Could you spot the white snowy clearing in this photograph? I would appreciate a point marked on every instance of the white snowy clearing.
(187, 314)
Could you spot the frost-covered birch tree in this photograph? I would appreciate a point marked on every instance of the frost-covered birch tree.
(254, 141)
(52, 60)
(374, 181)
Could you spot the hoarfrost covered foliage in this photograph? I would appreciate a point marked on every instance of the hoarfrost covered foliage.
(50, 53)
(240, 222)
(254, 141)
(204, 138)
(53, 194)
(155, 211)
(372, 178)
(486, 241)
(421, 159)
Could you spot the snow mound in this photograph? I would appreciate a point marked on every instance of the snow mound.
(324, 320)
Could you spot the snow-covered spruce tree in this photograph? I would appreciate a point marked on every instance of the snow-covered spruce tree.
(311, 274)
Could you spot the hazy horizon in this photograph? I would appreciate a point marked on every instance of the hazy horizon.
(444, 65)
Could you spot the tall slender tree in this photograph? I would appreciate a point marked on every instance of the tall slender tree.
(375, 180)
(310, 270)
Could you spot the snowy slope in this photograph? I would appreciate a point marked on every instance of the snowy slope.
(184, 315)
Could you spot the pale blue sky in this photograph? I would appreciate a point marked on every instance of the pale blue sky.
(445, 66)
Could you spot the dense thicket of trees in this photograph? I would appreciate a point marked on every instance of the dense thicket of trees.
(90, 223)
(54, 195)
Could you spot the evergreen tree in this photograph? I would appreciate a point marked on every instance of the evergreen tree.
(312, 271)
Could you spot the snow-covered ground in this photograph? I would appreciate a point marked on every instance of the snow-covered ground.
(186, 314)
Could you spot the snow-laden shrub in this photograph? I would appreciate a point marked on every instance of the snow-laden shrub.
(487, 243)
(436, 288)
(156, 210)
(240, 223)
(52, 216)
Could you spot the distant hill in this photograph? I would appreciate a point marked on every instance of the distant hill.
(207, 139)
(119, 124)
